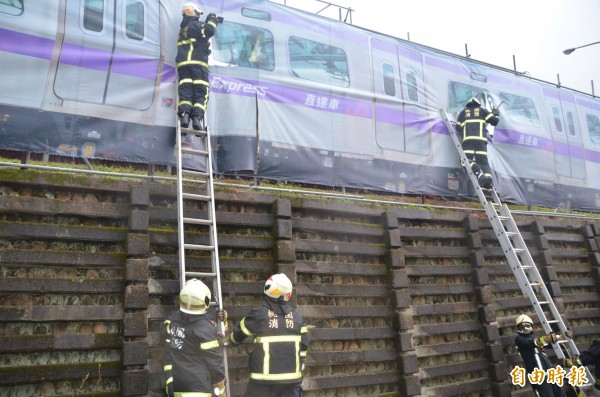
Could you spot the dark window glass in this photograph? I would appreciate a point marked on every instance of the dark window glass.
(570, 124)
(593, 125)
(135, 20)
(93, 15)
(557, 120)
(389, 82)
(520, 109)
(247, 46)
(256, 14)
(459, 95)
(318, 62)
(11, 7)
(411, 86)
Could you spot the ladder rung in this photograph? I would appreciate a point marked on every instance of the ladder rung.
(197, 221)
(543, 302)
(195, 196)
(535, 284)
(194, 151)
(192, 131)
(526, 267)
(199, 247)
(511, 234)
(518, 250)
(197, 173)
(502, 217)
(552, 321)
(200, 274)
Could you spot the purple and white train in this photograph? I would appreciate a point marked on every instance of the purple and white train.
(294, 96)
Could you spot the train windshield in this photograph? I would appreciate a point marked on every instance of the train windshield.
(460, 94)
(593, 124)
(318, 62)
(520, 109)
(246, 46)
(11, 7)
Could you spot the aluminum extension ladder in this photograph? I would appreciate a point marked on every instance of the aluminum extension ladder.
(209, 222)
(521, 263)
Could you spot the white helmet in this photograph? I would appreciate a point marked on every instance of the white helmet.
(191, 10)
(523, 318)
(279, 287)
(194, 297)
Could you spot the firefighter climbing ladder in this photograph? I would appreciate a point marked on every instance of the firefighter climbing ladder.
(209, 221)
(520, 260)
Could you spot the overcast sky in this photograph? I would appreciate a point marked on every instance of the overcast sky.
(534, 31)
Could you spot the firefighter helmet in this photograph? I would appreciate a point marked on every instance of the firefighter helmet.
(279, 287)
(523, 318)
(191, 10)
(194, 297)
(475, 101)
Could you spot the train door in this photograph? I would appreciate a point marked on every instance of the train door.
(573, 135)
(400, 118)
(110, 52)
(566, 136)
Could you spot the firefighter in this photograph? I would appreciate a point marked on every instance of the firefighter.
(193, 49)
(471, 122)
(531, 350)
(193, 361)
(590, 356)
(280, 342)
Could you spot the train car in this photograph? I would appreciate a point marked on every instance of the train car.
(320, 101)
(294, 96)
(88, 77)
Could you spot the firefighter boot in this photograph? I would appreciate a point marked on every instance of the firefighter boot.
(197, 123)
(485, 181)
(185, 119)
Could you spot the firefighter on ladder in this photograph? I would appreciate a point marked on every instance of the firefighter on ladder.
(193, 361)
(193, 49)
(471, 122)
(280, 342)
(589, 356)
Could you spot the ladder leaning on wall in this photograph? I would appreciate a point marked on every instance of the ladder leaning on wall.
(192, 216)
(521, 262)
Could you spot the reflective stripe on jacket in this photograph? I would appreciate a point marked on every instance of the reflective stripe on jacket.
(471, 122)
(193, 46)
(280, 342)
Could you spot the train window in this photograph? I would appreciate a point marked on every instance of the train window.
(557, 120)
(243, 45)
(389, 81)
(571, 124)
(459, 95)
(411, 86)
(93, 15)
(11, 7)
(134, 20)
(319, 62)
(256, 14)
(593, 124)
(520, 109)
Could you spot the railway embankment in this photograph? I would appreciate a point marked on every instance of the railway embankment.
(405, 300)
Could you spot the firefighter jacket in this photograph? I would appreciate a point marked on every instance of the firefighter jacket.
(280, 342)
(193, 45)
(471, 122)
(533, 356)
(591, 356)
(193, 360)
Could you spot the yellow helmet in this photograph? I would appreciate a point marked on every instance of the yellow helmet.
(523, 318)
(194, 297)
(278, 287)
(191, 10)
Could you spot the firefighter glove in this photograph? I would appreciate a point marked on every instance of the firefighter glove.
(219, 389)
(222, 315)
(569, 334)
(495, 112)
(546, 339)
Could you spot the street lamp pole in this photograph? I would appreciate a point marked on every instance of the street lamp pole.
(570, 50)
